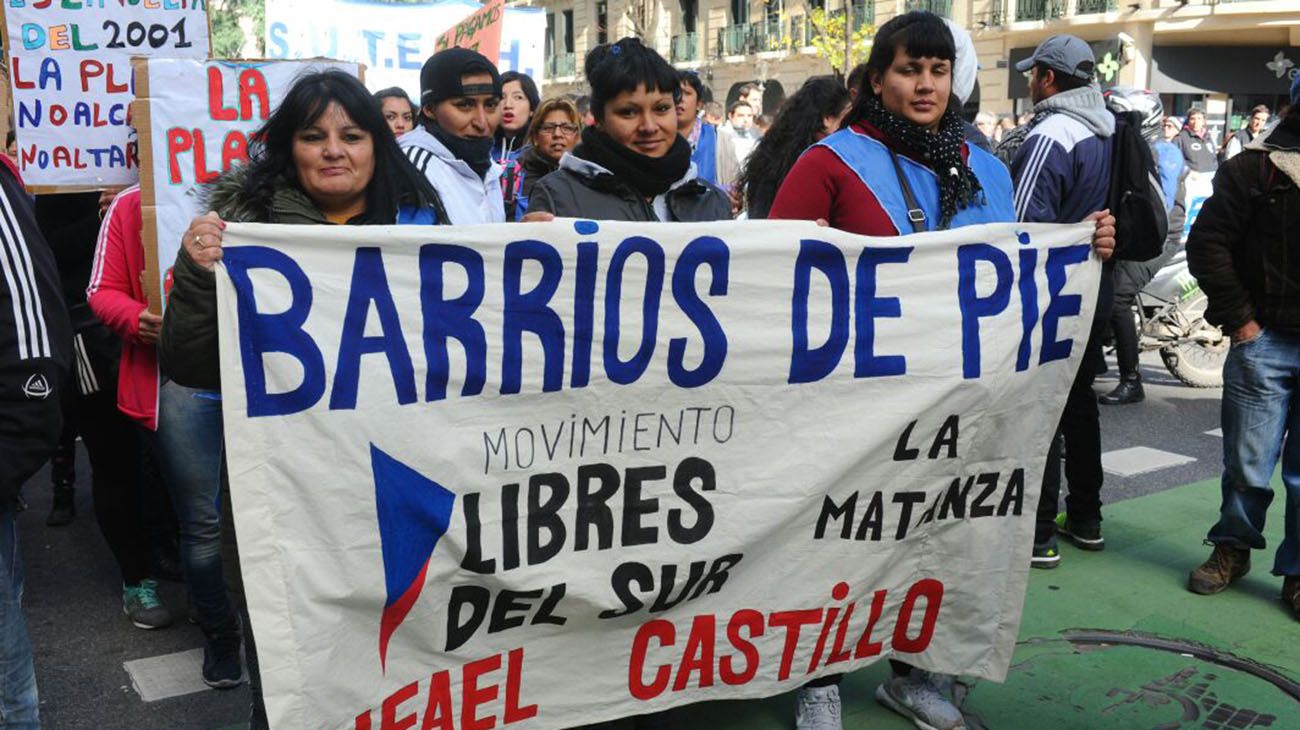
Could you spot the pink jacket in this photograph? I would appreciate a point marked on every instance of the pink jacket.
(116, 296)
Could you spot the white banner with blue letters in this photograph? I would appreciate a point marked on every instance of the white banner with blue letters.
(541, 475)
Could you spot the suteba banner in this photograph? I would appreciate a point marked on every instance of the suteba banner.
(548, 474)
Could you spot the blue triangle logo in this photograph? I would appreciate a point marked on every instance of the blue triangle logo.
(414, 512)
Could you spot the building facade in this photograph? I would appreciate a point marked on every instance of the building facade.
(1224, 54)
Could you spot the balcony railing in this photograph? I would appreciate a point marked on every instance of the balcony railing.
(735, 40)
(1040, 9)
(1096, 6)
(862, 17)
(562, 64)
(769, 36)
(938, 7)
(686, 47)
(801, 31)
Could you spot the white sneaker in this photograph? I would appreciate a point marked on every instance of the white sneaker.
(818, 708)
(919, 698)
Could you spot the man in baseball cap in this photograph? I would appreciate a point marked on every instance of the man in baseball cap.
(1064, 55)
(460, 99)
(1062, 175)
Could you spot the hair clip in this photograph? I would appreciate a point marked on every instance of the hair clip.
(615, 49)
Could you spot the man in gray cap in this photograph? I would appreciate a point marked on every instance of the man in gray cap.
(1062, 175)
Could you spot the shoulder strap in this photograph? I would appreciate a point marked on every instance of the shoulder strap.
(915, 215)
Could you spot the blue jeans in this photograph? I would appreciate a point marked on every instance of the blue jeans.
(1261, 421)
(191, 445)
(18, 705)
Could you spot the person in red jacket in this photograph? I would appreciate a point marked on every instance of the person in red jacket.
(900, 164)
(116, 296)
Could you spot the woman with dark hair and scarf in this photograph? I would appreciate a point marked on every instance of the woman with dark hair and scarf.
(327, 157)
(811, 115)
(904, 137)
(632, 165)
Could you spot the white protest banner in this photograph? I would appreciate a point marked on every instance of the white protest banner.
(70, 72)
(393, 40)
(541, 475)
(195, 118)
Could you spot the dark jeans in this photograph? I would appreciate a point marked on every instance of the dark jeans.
(1261, 424)
(113, 444)
(1123, 326)
(19, 708)
(190, 443)
(1079, 436)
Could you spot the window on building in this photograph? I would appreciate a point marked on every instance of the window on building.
(739, 12)
(568, 31)
(549, 38)
(690, 9)
(602, 22)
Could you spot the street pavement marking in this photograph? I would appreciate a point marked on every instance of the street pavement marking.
(1215, 432)
(1140, 460)
(170, 675)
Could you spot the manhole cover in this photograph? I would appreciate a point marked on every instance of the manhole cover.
(1094, 680)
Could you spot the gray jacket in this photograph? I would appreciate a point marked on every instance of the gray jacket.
(583, 189)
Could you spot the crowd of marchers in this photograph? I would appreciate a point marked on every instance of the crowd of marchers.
(885, 152)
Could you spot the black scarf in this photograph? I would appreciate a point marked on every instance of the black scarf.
(650, 176)
(475, 152)
(941, 151)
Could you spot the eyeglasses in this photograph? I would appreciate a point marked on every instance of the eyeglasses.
(556, 128)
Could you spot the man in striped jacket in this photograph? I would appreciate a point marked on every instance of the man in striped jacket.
(35, 346)
(1061, 174)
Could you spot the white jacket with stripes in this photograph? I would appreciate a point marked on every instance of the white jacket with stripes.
(467, 198)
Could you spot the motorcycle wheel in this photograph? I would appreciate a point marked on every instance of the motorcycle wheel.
(1197, 364)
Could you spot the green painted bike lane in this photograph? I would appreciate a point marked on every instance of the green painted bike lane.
(1209, 669)
(1074, 667)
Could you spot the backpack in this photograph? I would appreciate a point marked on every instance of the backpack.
(1136, 198)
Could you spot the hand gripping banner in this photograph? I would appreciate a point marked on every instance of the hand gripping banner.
(542, 475)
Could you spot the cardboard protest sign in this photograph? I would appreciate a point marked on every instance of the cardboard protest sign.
(481, 31)
(199, 116)
(543, 475)
(393, 39)
(70, 72)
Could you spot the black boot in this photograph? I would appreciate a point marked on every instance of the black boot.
(64, 507)
(1128, 391)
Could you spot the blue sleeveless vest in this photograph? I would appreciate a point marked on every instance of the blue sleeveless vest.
(705, 154)
(869, 159)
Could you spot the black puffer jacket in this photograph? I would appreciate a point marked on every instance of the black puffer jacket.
(1244, 248)
(581, 189)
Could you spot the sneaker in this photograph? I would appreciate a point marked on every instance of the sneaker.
(817, 708)
(222, 666)
(917, 698)
(141, 604)
(64, 507)
(1128, 391)
(1226, 564)
(1291, 594)
(1084, 534)
(1046, 554)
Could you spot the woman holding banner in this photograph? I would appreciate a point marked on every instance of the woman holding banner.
(900, 164)
(632, 165)
(328, 158)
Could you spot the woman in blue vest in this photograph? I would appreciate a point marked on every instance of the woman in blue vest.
(900, 164)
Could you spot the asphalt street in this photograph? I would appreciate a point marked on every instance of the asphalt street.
(83, 642)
